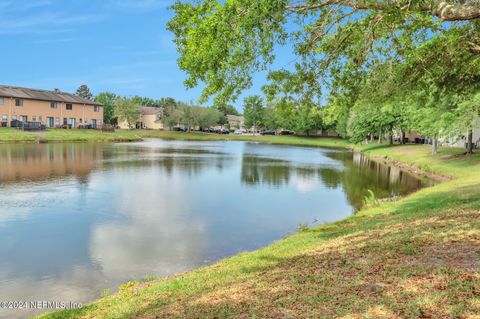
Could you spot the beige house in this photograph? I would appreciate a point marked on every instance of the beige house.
(50, 108)
(236, 122)
(150, 118)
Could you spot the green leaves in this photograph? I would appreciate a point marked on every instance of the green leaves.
(127, 110)
(108, 101)
(253, 111)
(223, 45)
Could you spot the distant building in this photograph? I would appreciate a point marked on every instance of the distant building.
(50, 108)
(236, 122)
(150, 118)
(461, 141)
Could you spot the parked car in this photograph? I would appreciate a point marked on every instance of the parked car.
(287, 132)
(267, 132)
(180, 129)
(240, 131)
(223, 131)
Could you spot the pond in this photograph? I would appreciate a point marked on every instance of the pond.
(76, 219)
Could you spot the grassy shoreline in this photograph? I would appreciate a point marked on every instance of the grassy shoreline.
(10, 135)
(415, 257)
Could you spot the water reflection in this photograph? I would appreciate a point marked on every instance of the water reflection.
(78, 218)
(355, 176)
(32, 162)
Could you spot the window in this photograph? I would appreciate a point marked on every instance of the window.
(57, 121)
(65, 121)
(81, 120)
(1, 101)
(4, 118)
(14, 117)
(53, 105)
(69, 106)
(18, 102)
(40, 118)
(96, 108)
(34, 119)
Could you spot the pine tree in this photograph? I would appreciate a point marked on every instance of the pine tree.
(84, 92)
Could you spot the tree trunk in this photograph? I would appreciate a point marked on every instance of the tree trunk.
(434, 146)
(391, 137)
(380, 138)
(403, 137)
(470, 142)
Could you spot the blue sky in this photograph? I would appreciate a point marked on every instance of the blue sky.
(120, 46)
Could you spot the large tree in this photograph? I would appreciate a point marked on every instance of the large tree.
(84, 91)
(208, 117)
(253, 111)
(173, 115)
(108, 101)
(127, 110)
(223, 43)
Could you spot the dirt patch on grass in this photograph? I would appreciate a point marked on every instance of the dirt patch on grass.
(463, 255)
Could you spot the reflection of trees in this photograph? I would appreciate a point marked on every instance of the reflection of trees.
(186, 161)
(258, 170)
(362, 174)
(35, 162)
(331, 178)
(189, 166)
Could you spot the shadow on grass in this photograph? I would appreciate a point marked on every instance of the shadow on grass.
(365, 275)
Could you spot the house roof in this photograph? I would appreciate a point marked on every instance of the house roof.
(43, 95)
(147, 110)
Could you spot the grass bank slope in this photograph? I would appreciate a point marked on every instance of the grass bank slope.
(418, 257)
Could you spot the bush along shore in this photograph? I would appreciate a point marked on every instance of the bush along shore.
(415, 257)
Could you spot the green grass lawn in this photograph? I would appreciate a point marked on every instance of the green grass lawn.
(417, 257)
(12, 135)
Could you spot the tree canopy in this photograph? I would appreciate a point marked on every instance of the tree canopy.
(223, 43)
(108, 101)
(127, 110)
(84, 91)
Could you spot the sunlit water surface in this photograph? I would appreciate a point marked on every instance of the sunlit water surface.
(76, 219)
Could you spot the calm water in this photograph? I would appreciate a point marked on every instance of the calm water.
(76, 219)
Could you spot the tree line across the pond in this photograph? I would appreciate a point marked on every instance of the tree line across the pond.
(258, 114)
(119, 109)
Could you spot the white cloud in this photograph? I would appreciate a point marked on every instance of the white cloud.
(39, 17)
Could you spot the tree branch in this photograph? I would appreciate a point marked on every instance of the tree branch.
(444, 10)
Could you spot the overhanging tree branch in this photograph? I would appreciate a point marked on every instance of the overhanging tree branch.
(444, 10)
